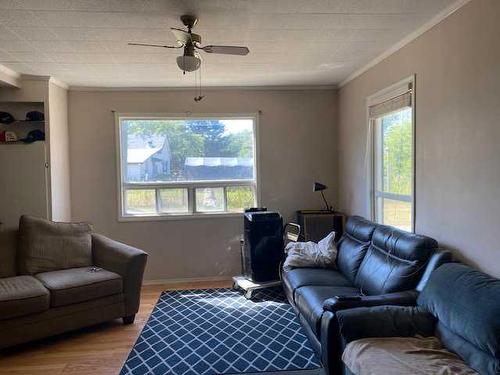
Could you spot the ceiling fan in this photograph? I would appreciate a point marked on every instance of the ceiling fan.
(191, 42)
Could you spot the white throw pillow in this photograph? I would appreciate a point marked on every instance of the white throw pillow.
(311, 254)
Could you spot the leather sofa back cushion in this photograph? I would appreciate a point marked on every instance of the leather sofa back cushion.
(394, 261)
(48, 246)
(353, 245)
(467, 305)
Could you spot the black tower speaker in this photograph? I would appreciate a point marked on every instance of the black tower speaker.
(263, 246)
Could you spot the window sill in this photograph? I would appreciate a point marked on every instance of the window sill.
(196, 216)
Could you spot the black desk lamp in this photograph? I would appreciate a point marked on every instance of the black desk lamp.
(320, 187)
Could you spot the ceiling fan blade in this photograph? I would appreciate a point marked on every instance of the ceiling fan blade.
(152, 45)
(227, 50)
(181, 35)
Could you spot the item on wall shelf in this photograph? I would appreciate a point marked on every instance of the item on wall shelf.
(10, 136)
(6, 118)
(33, 136)
(318, 186)
(35, 116)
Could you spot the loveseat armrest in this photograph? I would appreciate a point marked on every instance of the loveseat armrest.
(406, 298)
(127, 261)
(384, 321)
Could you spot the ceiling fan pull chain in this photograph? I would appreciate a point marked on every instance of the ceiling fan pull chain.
(199, 97)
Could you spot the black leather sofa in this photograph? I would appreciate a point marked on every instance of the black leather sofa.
(459, 305)
(379, 265)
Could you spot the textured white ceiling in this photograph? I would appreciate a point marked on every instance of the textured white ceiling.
(292, 42)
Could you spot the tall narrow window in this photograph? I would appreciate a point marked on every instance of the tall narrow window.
(391, 118)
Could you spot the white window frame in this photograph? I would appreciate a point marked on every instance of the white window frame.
(381, 96)
(122, 186)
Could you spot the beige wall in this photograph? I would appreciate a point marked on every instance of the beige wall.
(297, 147)
(457, 67)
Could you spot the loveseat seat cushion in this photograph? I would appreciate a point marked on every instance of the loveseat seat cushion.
(76, 285)
(309, 302)
(467, 305)
(299, 277)
(22, 295)
(394, 261)
(353, 245)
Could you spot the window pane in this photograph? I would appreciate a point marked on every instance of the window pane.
(140, 202)
(161, 150)
(397, 152)
(209, 199)
(396, 213)
(239, 198)
(174, 200)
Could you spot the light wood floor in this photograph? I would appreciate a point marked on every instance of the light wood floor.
(96, 350)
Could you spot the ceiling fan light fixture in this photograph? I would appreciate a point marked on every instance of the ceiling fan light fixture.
(188, 63)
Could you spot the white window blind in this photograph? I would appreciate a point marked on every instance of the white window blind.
(390, 106)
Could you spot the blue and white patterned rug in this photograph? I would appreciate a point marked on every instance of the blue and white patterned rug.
(218, 331)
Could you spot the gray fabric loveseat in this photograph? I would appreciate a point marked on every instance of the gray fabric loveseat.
(57, 277)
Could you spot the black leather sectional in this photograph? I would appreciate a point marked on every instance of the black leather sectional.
(379, 265)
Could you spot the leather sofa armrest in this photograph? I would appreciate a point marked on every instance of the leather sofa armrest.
(440, 257)
(406, 298)
(127, 261)
(384, 321)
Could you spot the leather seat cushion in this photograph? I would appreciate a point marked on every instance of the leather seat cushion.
(299, 277)
(76, 285)
(402, 356)
(309, 301)
(22, 295)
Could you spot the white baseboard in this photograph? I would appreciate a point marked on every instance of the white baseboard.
(187, 280)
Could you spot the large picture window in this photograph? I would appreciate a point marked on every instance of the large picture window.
(174, 166)
(391, 121)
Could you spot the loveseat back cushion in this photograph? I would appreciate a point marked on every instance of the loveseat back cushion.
(467, 305)
(394, 261)
(48, 246)
(8, 245)
(353, 245)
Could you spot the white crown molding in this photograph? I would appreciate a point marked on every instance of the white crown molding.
(206, 88)
(53, 80)
(441, 16)
(9, 77)
(187, 280)
(59, 83)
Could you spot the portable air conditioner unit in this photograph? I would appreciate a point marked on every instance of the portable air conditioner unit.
(262, 247)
